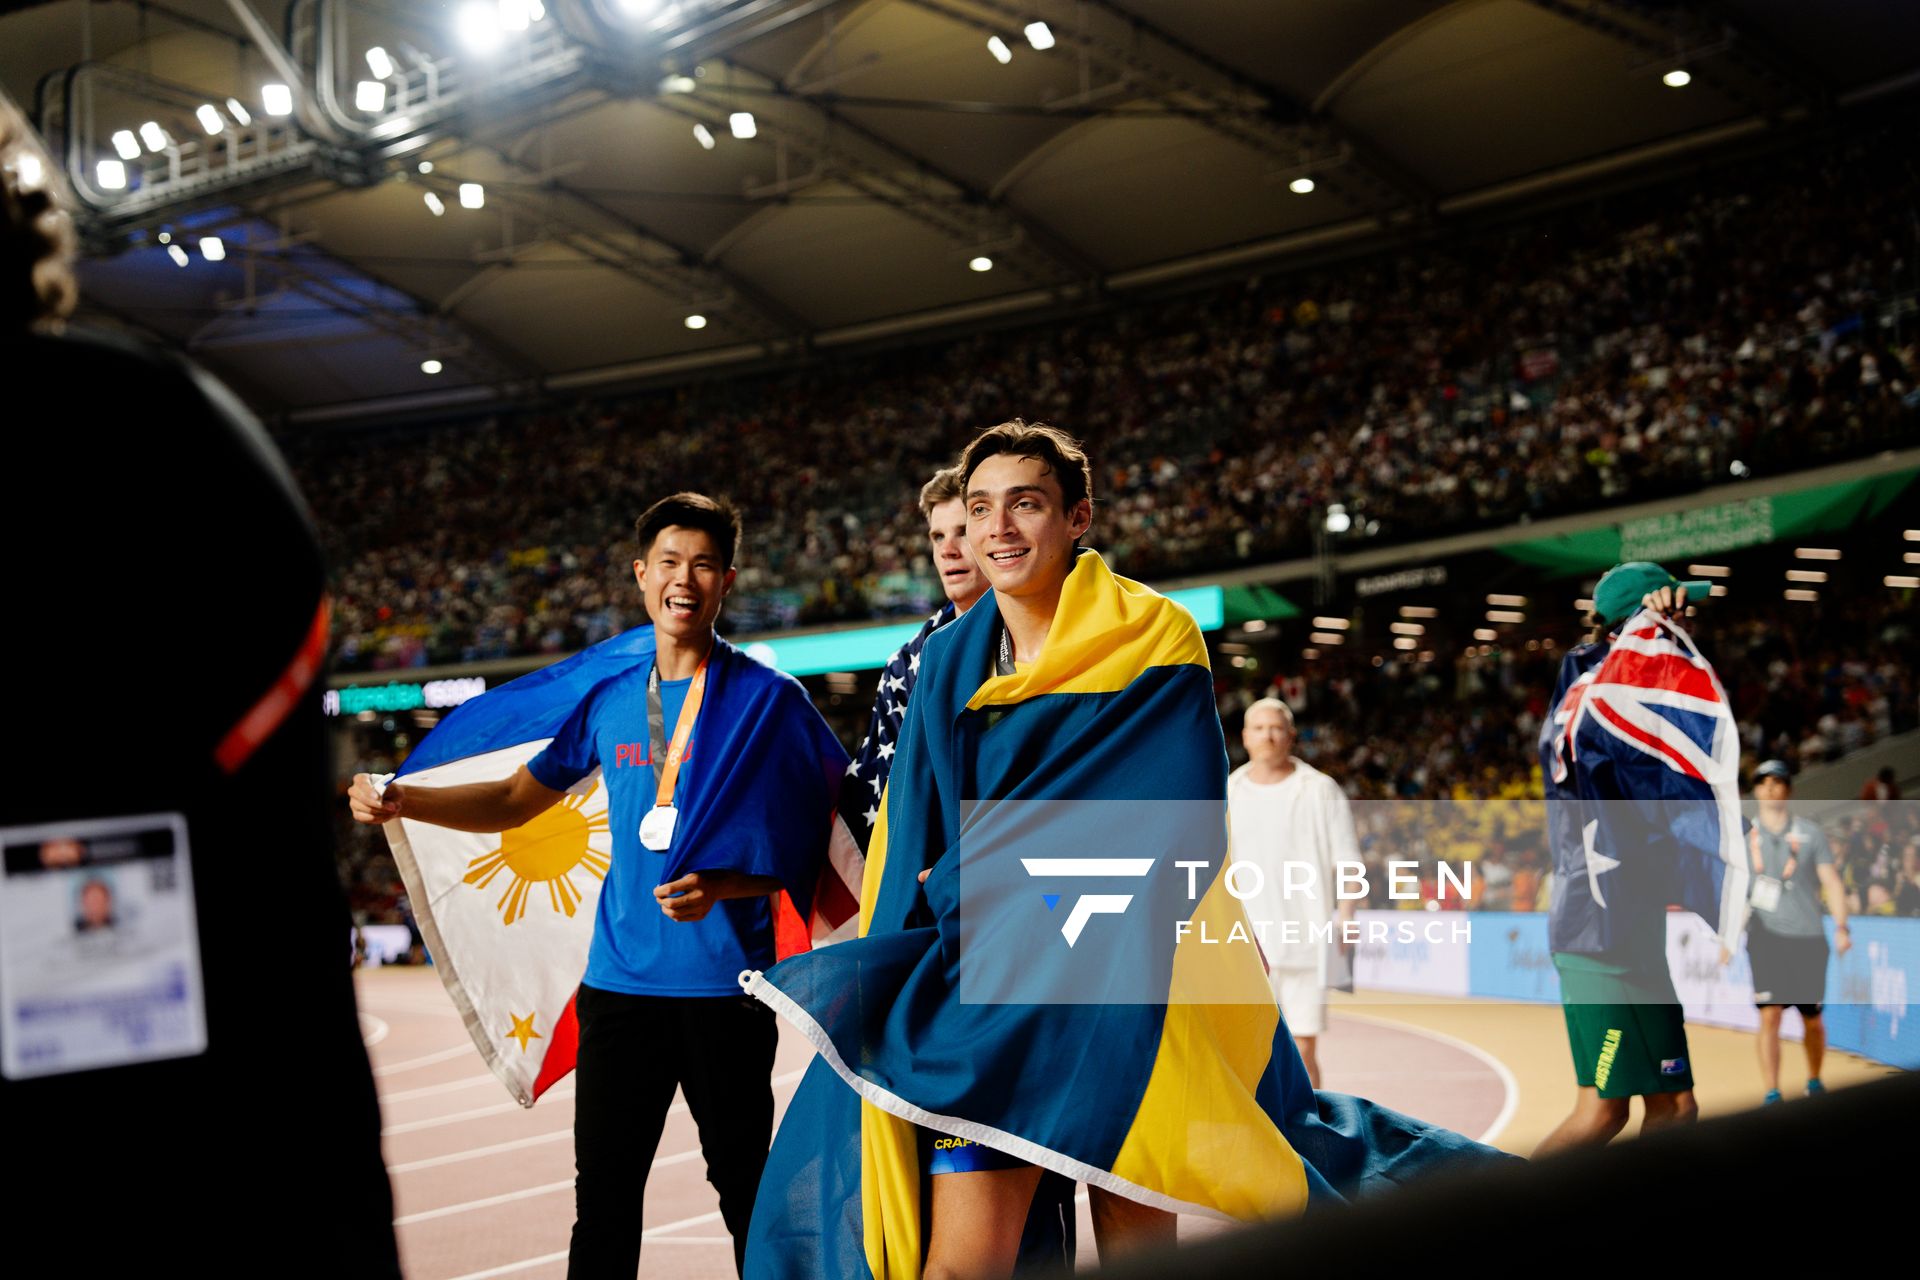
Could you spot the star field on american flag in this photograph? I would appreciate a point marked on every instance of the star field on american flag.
(860, 806)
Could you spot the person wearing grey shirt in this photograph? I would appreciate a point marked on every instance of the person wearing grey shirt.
(1786, 940)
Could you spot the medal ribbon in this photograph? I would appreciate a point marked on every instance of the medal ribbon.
(666, 759)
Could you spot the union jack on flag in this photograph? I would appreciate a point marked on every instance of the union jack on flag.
(1654, 758)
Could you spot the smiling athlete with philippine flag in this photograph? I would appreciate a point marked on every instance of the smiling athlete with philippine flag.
(709, 782)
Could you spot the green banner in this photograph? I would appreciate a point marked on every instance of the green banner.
(1723, 526)
(1257, 600)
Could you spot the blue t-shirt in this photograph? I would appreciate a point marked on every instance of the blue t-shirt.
(636, 949)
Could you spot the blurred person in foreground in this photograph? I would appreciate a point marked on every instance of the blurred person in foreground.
(1639, 757)
(152, 484)
(1786, 940)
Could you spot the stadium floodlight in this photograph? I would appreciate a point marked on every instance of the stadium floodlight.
(1301, 186)
(639, 8)
(154, 136)
(1040, 35)
(111, 175)
(1326, 637)
(178, 255)
(379, 63)
(1816, 553)
(1805, 597)
(213, 249)
(1407, 628)
(1405, 643)
(703, 135)
(1485, 633)
(430, 367)
(30, 171)
(478, 23)
(435, 205)
(537, 11)
(1310, 654)
(1806, 575)
(1911, 557)
(741, 122)
(981, 263)
(1505, 615)
(1338, 521)
(678, 84)
(370, 96)
(1418, 611)
(515, 15)
(1911, 535)
(126, 144)
(166, 237)
(1716, 590)
(1678, 78)
(426, 166)
(1508, 602)
(472, 195)
(276, 99)
(998, 48)
(1902, 581)
(238, 110)
(696, 321)
(1252, 625)
(209, 117)
(1709, 571)
(1333, 624)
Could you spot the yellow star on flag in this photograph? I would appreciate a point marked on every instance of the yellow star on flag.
(522, 1029)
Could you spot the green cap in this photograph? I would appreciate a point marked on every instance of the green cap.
(1617, 595)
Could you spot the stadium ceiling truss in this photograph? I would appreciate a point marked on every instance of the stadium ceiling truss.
(447, 122)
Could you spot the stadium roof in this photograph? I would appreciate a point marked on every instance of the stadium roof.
(891, 147)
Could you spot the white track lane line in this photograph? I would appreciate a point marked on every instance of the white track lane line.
(519, 1144)
(660, 1234)
(425, 1060)
(1499, 1068)
(376, 1032)
(429, 1090)
(458, 1117)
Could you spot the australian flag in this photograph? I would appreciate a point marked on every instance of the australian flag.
(1641, 759)
(873, 762)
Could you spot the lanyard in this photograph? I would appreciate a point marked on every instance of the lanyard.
(666, 771)
(1793, 850)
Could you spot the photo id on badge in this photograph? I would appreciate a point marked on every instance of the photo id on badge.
(1766, 894)
(99, 947)
(656, 829)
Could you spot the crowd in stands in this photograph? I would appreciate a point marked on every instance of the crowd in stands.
(1753, 320)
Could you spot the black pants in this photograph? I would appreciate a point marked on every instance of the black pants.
(633, 1051)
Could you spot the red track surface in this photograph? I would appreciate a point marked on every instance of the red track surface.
(483, 1188)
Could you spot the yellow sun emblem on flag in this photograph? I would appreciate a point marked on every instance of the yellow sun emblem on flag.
(546, 851)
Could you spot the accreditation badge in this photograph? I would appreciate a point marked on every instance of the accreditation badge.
(656, 829)
(1766, 894)
(99, 948)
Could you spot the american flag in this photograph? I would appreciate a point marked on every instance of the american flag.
(1654, 758)
(873, 762)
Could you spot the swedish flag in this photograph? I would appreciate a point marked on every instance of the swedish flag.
(1194, 1101)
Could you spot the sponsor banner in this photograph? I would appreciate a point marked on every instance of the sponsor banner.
(1416, 952)
(378, 944)
(1510, 958)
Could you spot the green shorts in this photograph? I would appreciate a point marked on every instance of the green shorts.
(1628, 1035)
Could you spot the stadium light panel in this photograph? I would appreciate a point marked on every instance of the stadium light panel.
(111, 175)
(696, 321)
(1508, 602)
(1582, 605)
(370, 96)
(515, 15)
(1816, 553)
(741, 122)
(1716, 590)
(678, 84)
(998, 48)
(1912, 535)
(981, 263)
(1806, 575)
(1040, 35)
(1794, 593)
(478, 23)
(154, 136)
(430, 367)
(276, 99)
(1678, 78)
(1911, 557)
(472, 195)
(435, 205)
(1301, 186)
(1252, 625)
(1407, 628)
(1485, 633)
(30, 171)
(213, 249)
(238, 110)
(426, 166)
(1326, 637)
(1310, 654)
(1404, 643)
(379, 63)
(178, 255)
(1418, 611)
(1709, 571)
(703, 136)
(126, 144)
(166, 237)
(1338, 521)
(209, 117)
(1902, 580)
(1505, 615)
(1332, 624)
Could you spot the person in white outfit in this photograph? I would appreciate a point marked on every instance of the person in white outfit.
(1284, 811)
